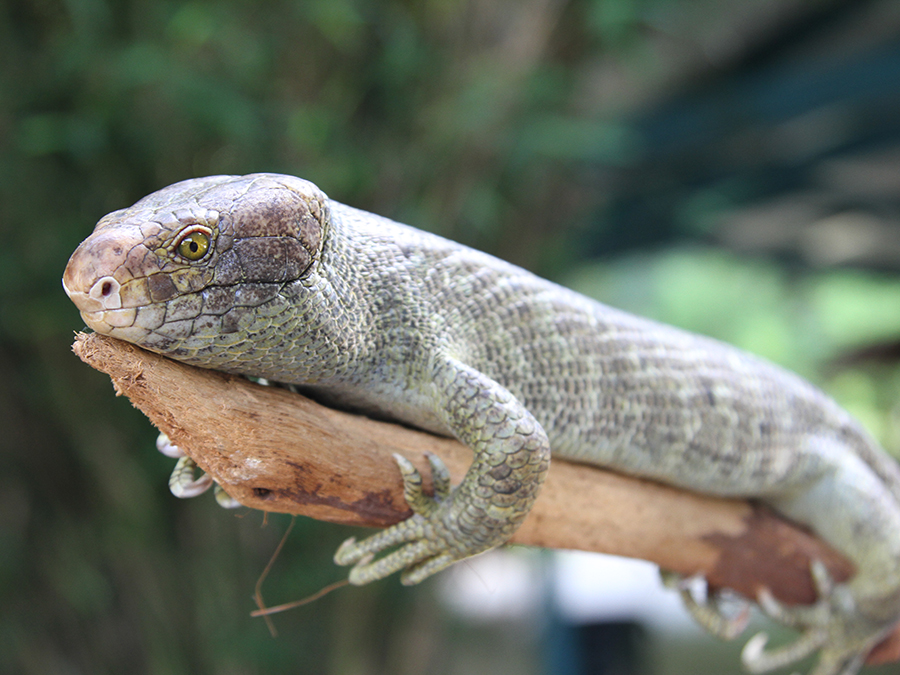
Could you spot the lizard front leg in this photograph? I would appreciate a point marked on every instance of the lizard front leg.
(512, 456)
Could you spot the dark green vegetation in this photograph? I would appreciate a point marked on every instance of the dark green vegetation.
(724, 168)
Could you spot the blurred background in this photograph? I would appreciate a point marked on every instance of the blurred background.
(730, 167)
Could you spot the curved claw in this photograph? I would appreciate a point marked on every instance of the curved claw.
(415, 498)
(757, 660)
(223, 499)
(166, 447)
(794, 617)
(839, 655)
(821, 579)
(710, 613)
(440, 477)
(832, 625)
(182, 483)
(816, 614)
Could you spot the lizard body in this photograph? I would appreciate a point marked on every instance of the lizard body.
(264, 275)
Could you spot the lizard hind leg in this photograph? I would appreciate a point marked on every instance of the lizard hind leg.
(852, 509)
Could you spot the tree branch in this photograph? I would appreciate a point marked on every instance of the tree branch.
(277, 451)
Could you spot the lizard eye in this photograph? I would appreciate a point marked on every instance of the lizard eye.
(193, 245)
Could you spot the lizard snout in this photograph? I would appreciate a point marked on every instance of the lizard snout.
(96, 278)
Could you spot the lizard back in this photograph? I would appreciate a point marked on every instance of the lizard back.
(301, 289)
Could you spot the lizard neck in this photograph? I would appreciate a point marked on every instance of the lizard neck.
(321, 323)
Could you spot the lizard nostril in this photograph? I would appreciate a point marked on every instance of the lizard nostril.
(106, 291)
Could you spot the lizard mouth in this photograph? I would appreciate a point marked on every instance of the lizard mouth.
(116, 323)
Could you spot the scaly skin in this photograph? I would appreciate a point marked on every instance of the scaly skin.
(379, 317)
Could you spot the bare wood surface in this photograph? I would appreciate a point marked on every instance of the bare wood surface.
(277, 451)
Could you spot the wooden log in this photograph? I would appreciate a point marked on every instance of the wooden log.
(274, 450)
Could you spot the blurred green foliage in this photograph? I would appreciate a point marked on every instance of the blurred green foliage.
(440, 113)
(473, 119)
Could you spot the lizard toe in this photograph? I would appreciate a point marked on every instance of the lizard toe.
(440, 477)
(421, 503)
(757, 659)
(166, 447)
(182, 483)
(416, 498)
(352, 551)
(834, 624)
(715, 612)
(225, 500)
(424, 569)
(369, 569)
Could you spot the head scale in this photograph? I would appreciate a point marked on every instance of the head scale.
(197, 259)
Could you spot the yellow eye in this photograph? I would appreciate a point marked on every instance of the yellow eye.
(194, 245)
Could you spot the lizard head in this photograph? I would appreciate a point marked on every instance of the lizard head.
(197, 260)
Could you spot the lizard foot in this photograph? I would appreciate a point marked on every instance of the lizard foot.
(182, 483)
(832, 625)
(430, 540)
(713, 612)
